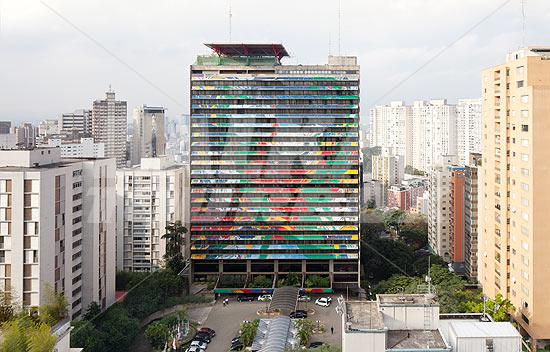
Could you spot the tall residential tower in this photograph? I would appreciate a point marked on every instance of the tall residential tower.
(515, 180)
(109, 127)
(274, 165)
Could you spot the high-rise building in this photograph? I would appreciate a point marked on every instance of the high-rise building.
(149, 197)
(439, 236)
(148, 139)
(5, 127)
(57, 228)
(109, 126)
(79, 120)
(389, 169)
(468, 129)
(433, 133)
(456, 216)
(25, 135)
(274, 165)
(471, 196)
(514, 243)
(392, 128)
(48, 127)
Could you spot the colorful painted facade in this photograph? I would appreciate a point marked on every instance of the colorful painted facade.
(274, 167)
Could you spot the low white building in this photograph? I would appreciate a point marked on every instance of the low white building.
(57, 228)
(411, 322)
(87, 148)
(149, 197)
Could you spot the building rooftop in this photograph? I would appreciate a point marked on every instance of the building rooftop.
(415, 340)
(409, 299)
(363, 315)
(241, 50)
(483, 329)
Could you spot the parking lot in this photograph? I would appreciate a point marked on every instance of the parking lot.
(226, 321)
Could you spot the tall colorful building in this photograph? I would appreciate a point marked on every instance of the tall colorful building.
(274, 165)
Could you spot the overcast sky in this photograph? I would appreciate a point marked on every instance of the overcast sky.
(48, 67)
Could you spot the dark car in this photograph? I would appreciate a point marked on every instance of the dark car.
(237, 347)
(316, 344)
(203, 336)
(246, 298)
(298, 314)
(236, 339)
(209, 331)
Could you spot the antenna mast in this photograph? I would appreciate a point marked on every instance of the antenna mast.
(339, 27)
(523, 16)
(230, 18)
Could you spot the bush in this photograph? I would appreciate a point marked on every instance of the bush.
(248, 332)
(317, 281)
(261, 281)
(157, 333)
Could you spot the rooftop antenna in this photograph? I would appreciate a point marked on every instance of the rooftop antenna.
(230, 18)
(339, 27)
(523, 16)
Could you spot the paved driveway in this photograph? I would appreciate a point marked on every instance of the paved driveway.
(227, 320)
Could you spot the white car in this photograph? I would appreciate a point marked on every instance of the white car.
(304, 298)
(323, 301)
(199, 344)
(194, 349)
(264, 298)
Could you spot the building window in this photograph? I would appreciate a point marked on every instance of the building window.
(525, 128)
(524, 98)
(520, 84)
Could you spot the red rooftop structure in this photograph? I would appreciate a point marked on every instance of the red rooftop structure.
(260, 50)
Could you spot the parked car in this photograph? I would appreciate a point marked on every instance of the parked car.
(209, 331)
(236, 347)
(198, 343)
(246, 298)
(264, 298)
(298, 314)
(203, 336)
(194, 349)
(323, 301)
(304, 298)
(236, 339)
(316, 344)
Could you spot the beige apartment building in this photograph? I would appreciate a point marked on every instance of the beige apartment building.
(514, 254)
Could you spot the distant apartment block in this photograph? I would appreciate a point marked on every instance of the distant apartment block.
(79, 120)
(404, 197)
(86, 148)
(149, 197)
(468, 129)
(456, 216)
(471, 216)
(148, 138)
(109, 126)
(391, 127)
(57, 228)
(389, 169)
(5, 127)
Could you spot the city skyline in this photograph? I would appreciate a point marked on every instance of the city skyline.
(386, 55)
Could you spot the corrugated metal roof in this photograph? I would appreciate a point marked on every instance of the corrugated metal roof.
(484, 329)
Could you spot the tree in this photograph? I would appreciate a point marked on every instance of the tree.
(22, 334)
(175, 241)
(92, 311)
(393, 220)
(157, 333)
(248, 332)
(317, 281)
(304, 329)
(371, 203)
(55, 307)
(7, 308)
(499, 308)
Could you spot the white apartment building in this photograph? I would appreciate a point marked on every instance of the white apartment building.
(87, 148)
(57, 228)
(110, 128)
(391, 127)
(48, 127)
(149, 197)
(148, 138)
(468, 129)
(439, 211)
(79, 120)
(433, 132)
